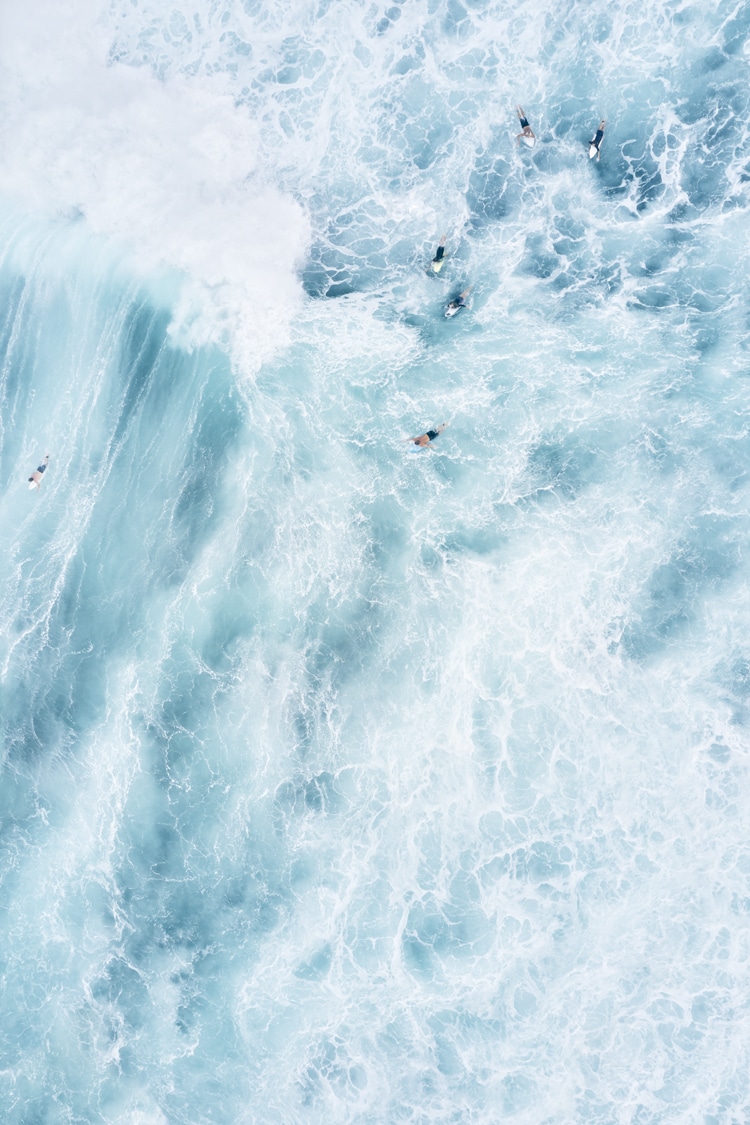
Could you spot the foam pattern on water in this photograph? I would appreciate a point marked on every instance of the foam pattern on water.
(344, 783)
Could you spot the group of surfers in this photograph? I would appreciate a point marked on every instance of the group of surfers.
(528, 136)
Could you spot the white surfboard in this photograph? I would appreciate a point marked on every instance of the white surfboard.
(530, 141)
(592, 151)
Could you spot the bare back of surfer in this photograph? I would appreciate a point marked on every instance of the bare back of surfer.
(527, 133)
(36, 477)
(596, 141)
(458, 303)
(424, 440)
(438, 261)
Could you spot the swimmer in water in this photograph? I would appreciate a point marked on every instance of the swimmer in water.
(36, 476)
(425, 439)
(459, 303)
(527, 133)
(439, 259)
(596, 141)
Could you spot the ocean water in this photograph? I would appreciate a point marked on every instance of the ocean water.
(342, 782)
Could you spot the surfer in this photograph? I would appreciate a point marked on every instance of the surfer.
(35, 480)
(425, 439)
(438, 260)
(596, 141)
(459, 303)
(529, 137)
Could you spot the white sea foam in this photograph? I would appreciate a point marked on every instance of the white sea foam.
(342, 784)
(169, 168)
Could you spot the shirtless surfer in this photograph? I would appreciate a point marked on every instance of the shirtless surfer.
(425, 439)
(527, 133)
(35, 480)
(439, 260)
(458, 303)
(596, 141)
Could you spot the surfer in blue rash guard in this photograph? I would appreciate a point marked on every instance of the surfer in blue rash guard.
(527, 133)
(596, 141)
(35, 480)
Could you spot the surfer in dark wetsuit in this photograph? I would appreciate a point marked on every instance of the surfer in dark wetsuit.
(439, 259)
(459, 303)
(36, 476)
(596, 140)
(425, 439)
(526, 130)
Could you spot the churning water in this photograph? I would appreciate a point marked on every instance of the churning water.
(342, 783)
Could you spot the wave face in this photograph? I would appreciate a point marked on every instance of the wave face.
(341, 783)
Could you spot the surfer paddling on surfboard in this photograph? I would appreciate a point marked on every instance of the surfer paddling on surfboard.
(596, 141)
(35, 480)
(424, 440)
(439, 260)
(527, 133)
(459, 303)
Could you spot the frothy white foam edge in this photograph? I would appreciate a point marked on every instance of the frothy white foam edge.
(173, 168)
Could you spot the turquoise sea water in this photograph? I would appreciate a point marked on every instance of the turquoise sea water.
(343, 783)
